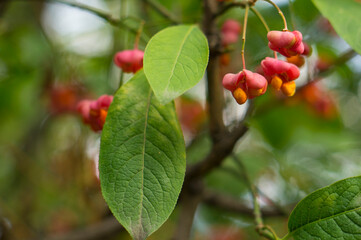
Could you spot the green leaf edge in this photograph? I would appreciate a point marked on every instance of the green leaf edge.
(290, 234)
(315, 3)
(177, 119)
(145, 56)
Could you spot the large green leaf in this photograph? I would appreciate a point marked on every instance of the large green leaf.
(142, 158)
(344, 16)
(175, 60)
(333, 212)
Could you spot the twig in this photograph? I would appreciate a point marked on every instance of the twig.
(276, 206)
(190, 201)
(244, 35)
(214, 87)
(280, 13)
(220, 150)
(191, 197)
(163, 11)
(229, 6)
(217, 154)
(260, 227)
(232, 204)
(106, 16)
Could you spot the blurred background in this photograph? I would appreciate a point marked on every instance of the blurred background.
(53, 55)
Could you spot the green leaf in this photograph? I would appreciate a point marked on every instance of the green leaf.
(142, 158)
(333, 212)
(175, 60)
(345, 18)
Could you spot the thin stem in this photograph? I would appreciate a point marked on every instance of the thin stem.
(262, 229)
(99, 13)
(139, 32)
(280, 13)
(244, 35)
(228, 7)
(275, 54)
(259, 15)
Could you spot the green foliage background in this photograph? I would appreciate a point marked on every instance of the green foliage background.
(47, 180)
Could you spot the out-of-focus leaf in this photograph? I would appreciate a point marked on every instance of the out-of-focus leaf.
(345, 18)
(305, 10)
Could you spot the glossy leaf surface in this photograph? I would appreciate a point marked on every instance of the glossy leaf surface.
(333, 212)
(142, 158)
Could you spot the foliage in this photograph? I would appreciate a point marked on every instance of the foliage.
(177, 153)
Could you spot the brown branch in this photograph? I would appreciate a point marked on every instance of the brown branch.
(229, 6)
(3, 6)
(190, 199)
(101, 230)
(232, 204)
(217, 154)
(214, 87)
(220, 150)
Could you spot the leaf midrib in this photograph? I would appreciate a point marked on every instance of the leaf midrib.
(319, 220)
(178, 55)
(143, 160)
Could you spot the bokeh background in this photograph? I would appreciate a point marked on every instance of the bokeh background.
(53, 55)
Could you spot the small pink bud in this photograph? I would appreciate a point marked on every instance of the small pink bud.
(230, 32)
(286, 43)
(129, 60)
(244, 85)
(232, 26)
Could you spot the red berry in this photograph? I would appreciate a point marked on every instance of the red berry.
(256, 83)
(281, 75)
(94, 112)
(129, 60)
(286, 71)
(230, 81)
(286, 43)
(244, 85)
